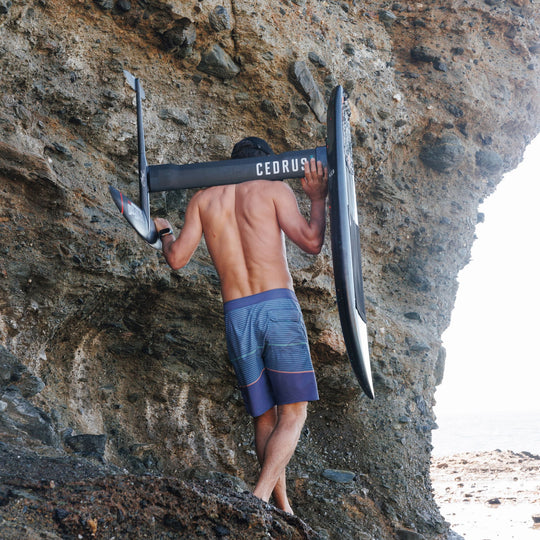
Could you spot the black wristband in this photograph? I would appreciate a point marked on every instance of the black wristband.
(165, 232)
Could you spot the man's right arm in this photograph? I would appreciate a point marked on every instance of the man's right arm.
(178, 251)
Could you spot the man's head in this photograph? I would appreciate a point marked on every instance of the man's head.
(251, 147)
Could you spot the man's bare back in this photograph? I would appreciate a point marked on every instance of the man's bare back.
(243, 225)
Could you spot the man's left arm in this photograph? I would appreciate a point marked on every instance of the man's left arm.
(178, 251)
(307, 234)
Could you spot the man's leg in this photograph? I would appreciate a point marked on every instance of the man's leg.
(276, 452)
(264, 426)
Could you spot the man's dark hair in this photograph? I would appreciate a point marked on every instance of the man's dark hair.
(251, 147)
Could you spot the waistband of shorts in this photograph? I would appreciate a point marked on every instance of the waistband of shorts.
(264, 296)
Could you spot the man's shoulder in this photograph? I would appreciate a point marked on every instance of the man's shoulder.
(269, 189)
(274, 186)
(207, 193)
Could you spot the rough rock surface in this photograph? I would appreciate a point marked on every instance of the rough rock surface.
(104, 341)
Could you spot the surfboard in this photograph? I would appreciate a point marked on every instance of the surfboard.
(345, 239)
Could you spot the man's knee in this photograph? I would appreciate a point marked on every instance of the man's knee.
(293, 412)
(267, 418)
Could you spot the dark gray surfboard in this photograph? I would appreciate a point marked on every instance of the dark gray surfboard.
(345, 237)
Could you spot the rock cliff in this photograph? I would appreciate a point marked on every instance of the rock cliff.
(112, 364)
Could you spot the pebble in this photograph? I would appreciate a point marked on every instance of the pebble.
(316, 60)
(180, 38)
(489, 161)
(270, 108)
(423, 54)
(61, 149)
(387, 17)
(105, 4)
(59, 514)
(5, 5)
(439, 65)
(123, 5)
(87, 445)
(179, 117)
(302, 75)
(444, 155)
(453, 109)
(220, 19)
(218, 63)
(405, 534)
(341, 477)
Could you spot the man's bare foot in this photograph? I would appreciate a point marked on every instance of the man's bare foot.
(282, 502)
(287, 508)
(284, 505)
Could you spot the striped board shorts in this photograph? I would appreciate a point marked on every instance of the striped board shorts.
(268, 347)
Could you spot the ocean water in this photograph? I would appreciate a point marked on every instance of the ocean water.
(485, 431)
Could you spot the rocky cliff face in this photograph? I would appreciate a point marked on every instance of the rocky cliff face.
(107, 353)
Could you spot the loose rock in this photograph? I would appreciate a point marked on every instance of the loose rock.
(489, 161)
(87, 445)
(387, 17)
(123, 5)
(404, 534)
(22, 418)
(5, 5)
(423, 54)
(179, 117)
(316, 60)
(218, 63)
(445, 155)
(180, 38)
(220, 19)
(105, 4)
(341, 477)
(303, 77)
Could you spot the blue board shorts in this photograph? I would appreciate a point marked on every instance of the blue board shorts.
(268, 347)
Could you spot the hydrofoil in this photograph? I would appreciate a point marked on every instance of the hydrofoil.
(345, 233)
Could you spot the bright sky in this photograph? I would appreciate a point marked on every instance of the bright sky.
(492, 344)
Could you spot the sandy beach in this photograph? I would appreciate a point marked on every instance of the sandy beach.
(489, 495)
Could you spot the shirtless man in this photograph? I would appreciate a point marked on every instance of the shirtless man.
(243, 225)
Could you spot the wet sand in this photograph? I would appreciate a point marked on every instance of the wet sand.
(489, 495)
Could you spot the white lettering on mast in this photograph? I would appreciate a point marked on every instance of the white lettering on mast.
(285, 166)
